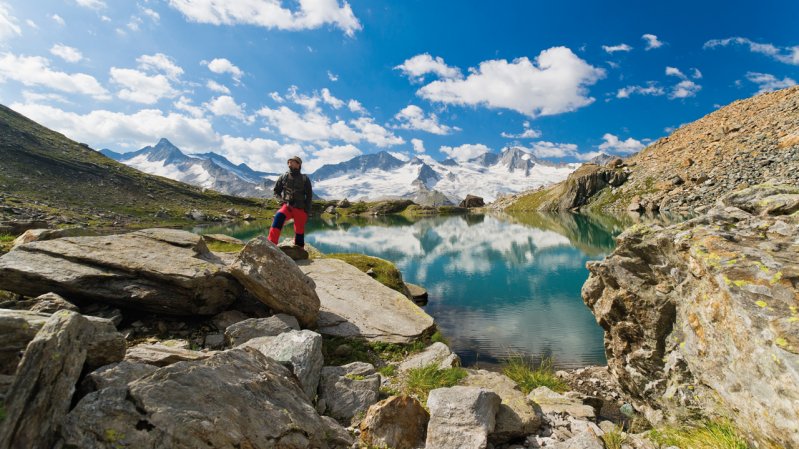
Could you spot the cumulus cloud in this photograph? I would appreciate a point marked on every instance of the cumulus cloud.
(58, 19)
(769, 83)
(328, 98)
(222, 65)
(465, 151)
(151, 14)
(270, 14)
(160, 62)
(544, 149)
(331, 155)
(276, 97)
(356, 107)
(225, 105)
(92, 4)
(528, 133)
(418, 146)
(184, 104)
(696, 74)
(412, 117)
(36, 71)
(787, 55)
(261, 154)
(554, 84)
(216, 87)
(652, 41)
(8, 24)
(684, 89)
(420, 65)
(673, 71)
(650, 89)
(140, 87)
(616, 48)
(69, 54)
(613, 144)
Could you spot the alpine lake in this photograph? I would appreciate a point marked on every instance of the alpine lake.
(499, 285)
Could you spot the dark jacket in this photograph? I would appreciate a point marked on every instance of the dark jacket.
(294, 189)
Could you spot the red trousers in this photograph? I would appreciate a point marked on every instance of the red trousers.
(288, 212)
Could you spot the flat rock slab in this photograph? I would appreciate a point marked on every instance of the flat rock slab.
(156, 270)
(162, 355)
(355, 305)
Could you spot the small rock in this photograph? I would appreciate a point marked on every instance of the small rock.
(399, 422)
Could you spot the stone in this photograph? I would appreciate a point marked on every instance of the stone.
(343, 203)
(349, 390)
(273, 278)
(214, 341)
(550, 402)
(115, 375)
(584, 440)
(417, 292)
(222, 238)
(237, 398)
(461, 417)
(33, 235)
(40, 395)
(516, 417)
(701, 316)
(250, 328)
(51, 303)
(227, 318)
(162, 355)
(438, 353)
(353, 305)
(472, 201)
(301, 350)
(293, 251)
(155, 270)
(399, 422)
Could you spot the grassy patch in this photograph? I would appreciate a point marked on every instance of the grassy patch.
(223, 247)
(710, 435)
(420, 381)
(614, 439)
(523, 371)
(388, 370)
(438, 337)
(375, 353)
(385, 271)
(6, 238)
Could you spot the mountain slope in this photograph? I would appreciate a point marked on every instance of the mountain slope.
(746, 143)
(43, 174)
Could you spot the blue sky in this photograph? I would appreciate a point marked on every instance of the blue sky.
(261, 80)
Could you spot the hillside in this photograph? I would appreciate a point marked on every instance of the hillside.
(46, 176)
(743, 144)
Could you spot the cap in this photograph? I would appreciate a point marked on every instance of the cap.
(295, 159)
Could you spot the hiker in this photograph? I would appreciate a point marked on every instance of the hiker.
(293, 189)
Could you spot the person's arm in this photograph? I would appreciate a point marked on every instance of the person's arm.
(308, 195)
(279, 188)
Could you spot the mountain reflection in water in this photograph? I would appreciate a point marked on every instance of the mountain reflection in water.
(498, 285)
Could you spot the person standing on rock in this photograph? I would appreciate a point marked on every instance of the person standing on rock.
(295, 193)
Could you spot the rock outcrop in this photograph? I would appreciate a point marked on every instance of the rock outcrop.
(348, 390)
(472, 201)
(355, 305)
(703, 317)
(156, 270)
(301, 351)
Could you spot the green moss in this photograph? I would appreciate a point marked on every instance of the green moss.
(385, 272)
(708, 435)
(781, 342)
(224, 247)
(420, 381)
(528, 376)
(761, 303)
(375, 353)
(354, 377)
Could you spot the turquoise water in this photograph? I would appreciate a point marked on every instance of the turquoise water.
(497, 286)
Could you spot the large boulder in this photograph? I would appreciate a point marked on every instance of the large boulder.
(348, 390)
(273, 278)
(399, 422)
(461, 417)
(300, 350)
(156, 270)
(516, 417)
(472, 201)
(356, 306)
(701, 317)
(40, 395)
(237, 398)
(438, 353)
(250, 328)
(549, 402)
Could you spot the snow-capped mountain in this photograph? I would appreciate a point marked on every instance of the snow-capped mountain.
(427, 181)
(208, 170)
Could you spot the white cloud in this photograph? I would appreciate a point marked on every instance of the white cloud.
(92, 4)
(787, 55)
(36, 97)
(331, 155)
(769, 83)
(160, 62)
(8, 24)
(225, 105)
(376, 134)
(270, 13)
(613, 144)
(356, 107)
(69, 54)
(528, 133)
(30, 23)
(331, 76)
(673, 71)
(650, 89)
(216, 87)
(140, 87)
(328, 98)
(222, 65)
(465, 152)
(58, 19)
(261, 154)
(587, 156)
(685, 89)
(401, 156)
(418, 146)
(544, 149)
(420, 65)
(184, 104)
(276, 97)
(616, 48)
(134, 23)
(556, 83)
(101, 128)
(413, 117)
(696, 74)
(36, 71)
(151, 14)
(652, 41)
